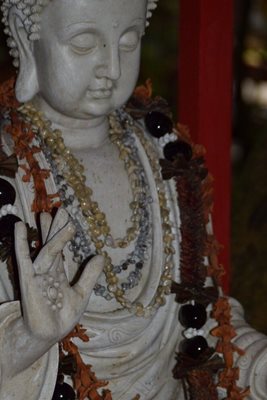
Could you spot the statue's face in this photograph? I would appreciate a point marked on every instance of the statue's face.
(87, 58)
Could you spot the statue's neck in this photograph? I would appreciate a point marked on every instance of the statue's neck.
(78, 134)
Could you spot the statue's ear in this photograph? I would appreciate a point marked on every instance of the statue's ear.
(27, 81)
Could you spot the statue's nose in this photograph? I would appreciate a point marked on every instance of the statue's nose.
(110, 66)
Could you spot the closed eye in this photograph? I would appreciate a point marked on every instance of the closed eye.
(83, 43)
(129, 40)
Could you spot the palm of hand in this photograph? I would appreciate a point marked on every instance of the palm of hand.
(51, 307)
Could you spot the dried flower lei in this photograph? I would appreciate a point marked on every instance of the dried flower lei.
(194, 187)
(197, 199)
(85, 381)
(199, 382)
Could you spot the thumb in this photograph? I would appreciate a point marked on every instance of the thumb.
(89, 277)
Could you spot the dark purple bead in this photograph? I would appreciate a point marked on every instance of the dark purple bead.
(7, 225)
(193, 347)
(125, 266)
(158, 124)
(193, 316)
(7, 193)
(179, 147)
(139, 265)
(63, 391)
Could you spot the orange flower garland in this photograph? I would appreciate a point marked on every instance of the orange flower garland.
(201, 383)
(85, 381)
(23, 136)
(199, 377)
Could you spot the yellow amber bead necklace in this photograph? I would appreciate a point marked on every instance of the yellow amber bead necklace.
(73, 173)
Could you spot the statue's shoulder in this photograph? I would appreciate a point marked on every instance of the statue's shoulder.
(152, 115)
(155, 118)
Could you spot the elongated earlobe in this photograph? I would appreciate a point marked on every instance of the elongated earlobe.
(27, 82)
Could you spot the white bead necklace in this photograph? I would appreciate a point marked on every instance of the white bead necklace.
(76, 179)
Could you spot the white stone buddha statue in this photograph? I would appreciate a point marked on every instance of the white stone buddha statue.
(78, 65)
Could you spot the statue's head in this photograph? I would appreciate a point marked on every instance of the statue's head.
(81, 56)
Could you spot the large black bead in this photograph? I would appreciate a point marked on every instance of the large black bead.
(7, 193)
(63, 391)
(193, 347)
(158, 124)
(179, 147)
(193, 316)
(7, 225)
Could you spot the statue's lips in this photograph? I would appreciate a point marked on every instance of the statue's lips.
(100, 93)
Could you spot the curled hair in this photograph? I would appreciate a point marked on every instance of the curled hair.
(31, 10)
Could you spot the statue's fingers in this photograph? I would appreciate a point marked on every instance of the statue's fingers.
(89, 277)
(45, 223)
(23, 252)
(61, 219)
(53, 248)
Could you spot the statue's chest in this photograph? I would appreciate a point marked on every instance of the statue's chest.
(108, 179)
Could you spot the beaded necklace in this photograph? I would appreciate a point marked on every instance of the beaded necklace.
(81, 245)
(198, 375)
(73, 173)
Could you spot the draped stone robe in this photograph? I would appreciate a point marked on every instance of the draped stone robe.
(136, 355)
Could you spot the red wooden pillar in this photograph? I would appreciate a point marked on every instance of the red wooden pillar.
(205, 97)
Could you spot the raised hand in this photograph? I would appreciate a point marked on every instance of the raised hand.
(51, 307)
